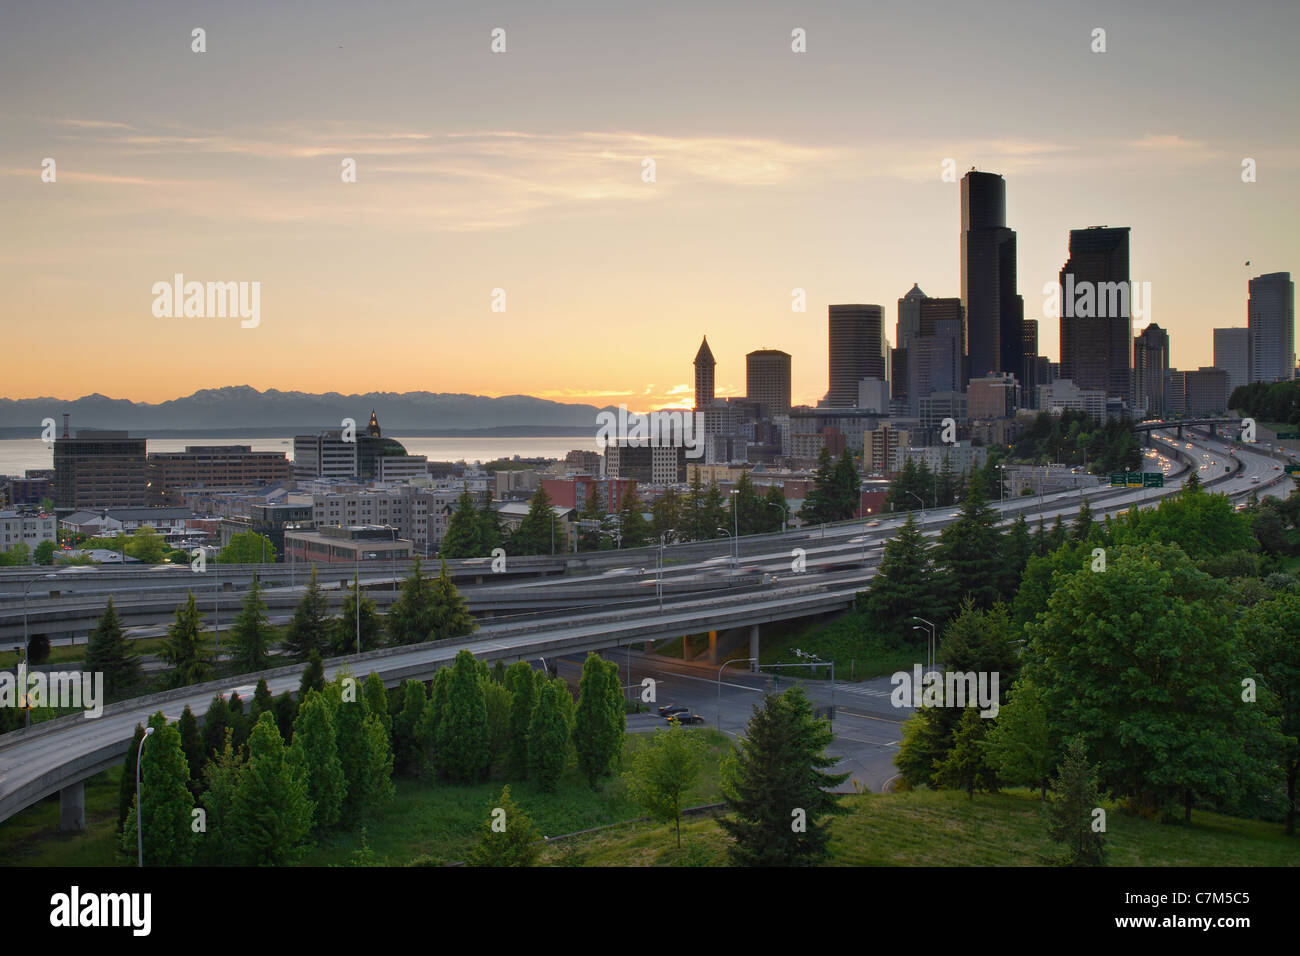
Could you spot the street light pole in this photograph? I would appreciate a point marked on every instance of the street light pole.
(931, 661)
(139, 832)
(747, 660)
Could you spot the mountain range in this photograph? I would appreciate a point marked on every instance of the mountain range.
(244, 410)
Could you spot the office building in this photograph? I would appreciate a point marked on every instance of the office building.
(1270, 315)
(1150, 370)
(29, 528)
(858, 350)
(346, 546)
(215, 467)
(767, 381)
(993, 309)
(1096, 326)
(646, 464)
(1232, 354)
(909, 317)
(100, 469)
(1064, 395)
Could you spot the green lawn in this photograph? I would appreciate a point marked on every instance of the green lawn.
(943, 828)
(848, 640)
(430, 823)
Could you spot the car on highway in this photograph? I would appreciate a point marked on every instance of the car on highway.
(686, 717)
(667, 710)
(1255, 480)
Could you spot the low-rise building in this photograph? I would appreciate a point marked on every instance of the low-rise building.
(346, 545)
(27, 527)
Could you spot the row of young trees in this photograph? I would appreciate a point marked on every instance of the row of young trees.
(255, 790)
(1151, 639)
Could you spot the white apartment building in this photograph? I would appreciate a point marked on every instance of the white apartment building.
(25, 527)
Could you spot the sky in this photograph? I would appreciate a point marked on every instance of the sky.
(525, 171)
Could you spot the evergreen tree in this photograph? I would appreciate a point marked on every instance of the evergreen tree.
(377, 701)
(520, 678)
(906, 585)
(592, 517)
(748, 505)
(1056, 538)
(271, 815)
(462, 738)
(109, 652)
(316, 750)
(777, 787)
(448, 613)
(427, 729)
(310, 628)
(185, 649)
(192, 746)
(464, 535)
(249, 639)
(1271, 627)
(775, 511)
(286, 712)
(221, 782)
(313, 676)
(490, 530)
(262, 700)
(633, 527)
(498, 701)
(1076, 796)
(596, 737)
(669, 516)
(847, 485)
(166, 804)
(965, 767)
(1083, 524)
(548, 736)
(713, 512)
(215, 724)
(345, 628)
(508, 838)
(1017, 548)
(407, 752)
(971, 547)
(819, 505)
(924, 746)
(240, 725)
(410, 619)
(662, 773)
(536, 533)
(946, 492)
(378, 768)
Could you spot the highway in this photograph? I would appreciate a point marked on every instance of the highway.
(51, 756)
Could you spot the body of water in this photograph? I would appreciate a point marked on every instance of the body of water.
(17, 455)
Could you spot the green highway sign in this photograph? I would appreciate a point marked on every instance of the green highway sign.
(1118, 479)
(1153, 479)
(1285, 435)
(1293, 469)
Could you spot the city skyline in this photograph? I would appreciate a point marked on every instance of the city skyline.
(478, 171)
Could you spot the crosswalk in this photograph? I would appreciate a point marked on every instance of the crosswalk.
(861, 691)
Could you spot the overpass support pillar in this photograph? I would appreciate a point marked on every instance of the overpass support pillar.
(688, 653)
(1180, 431)
(753, 647)
(72, 807)
(713, 647)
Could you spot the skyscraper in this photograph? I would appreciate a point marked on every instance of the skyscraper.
(857, 351)
(1150, 368)
(1271, 317)
(1232, 354)
(909, 316)
(767, 380)
(1029, 362)
(704, 365)
(1096, 327)
(994, 311)
(100, 469)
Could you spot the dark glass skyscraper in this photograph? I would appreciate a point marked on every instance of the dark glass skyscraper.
(857, 351)
(994, 311)
(1096, 326)
(1270, 314)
